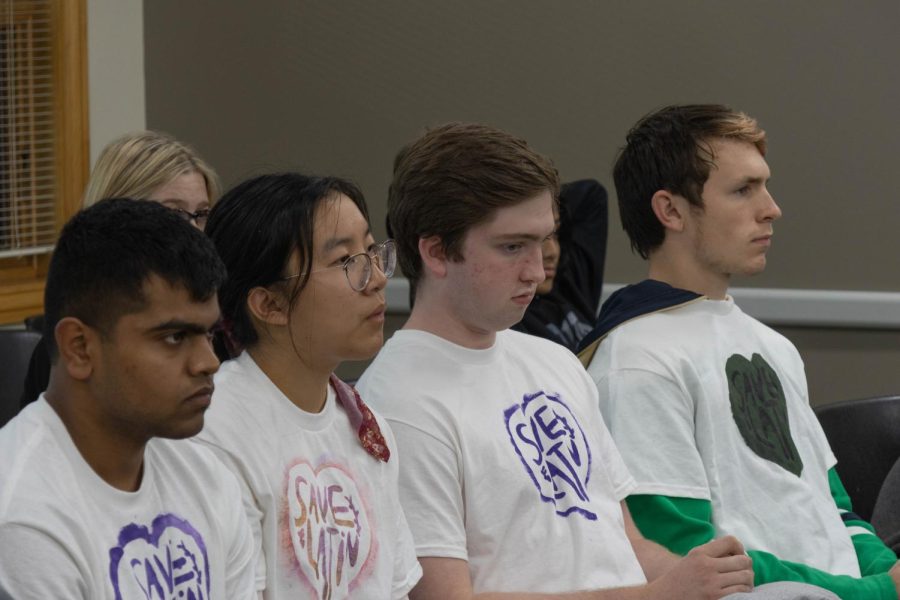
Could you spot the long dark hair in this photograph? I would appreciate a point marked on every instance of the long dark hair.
(256, 226)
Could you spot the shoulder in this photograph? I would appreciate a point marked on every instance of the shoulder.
(764, 331)
(408, 345)
(664, 342)
(188, 461)
(771, 342)
(531, 354)
(548, 362)
(409, 361)
(528, 347)
(414, 385)
(237, 377)
(36, 464)
(239, 401)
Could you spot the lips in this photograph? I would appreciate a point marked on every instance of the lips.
(524, 299)
(377, 314)
(201, 397)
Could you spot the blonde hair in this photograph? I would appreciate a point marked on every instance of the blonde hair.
(135, 165)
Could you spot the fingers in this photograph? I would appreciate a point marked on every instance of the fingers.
(723, 546)
(739, 562)
(735, 589)
(737, 577)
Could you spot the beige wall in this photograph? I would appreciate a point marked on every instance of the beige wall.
(848, 364)
(337, 87)
(116, 96)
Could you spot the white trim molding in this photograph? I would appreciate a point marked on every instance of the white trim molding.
(821, 308)
(774, 306)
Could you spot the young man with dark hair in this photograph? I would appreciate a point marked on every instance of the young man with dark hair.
(708, 406)
(93, 504)
(509, 479)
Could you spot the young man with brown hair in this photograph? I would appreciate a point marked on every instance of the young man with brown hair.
(509, 479)
(708, 406)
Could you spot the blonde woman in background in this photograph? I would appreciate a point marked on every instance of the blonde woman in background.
(147, 165)
(155, 166)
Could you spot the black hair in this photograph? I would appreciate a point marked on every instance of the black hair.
(256, 226)
(106, 253)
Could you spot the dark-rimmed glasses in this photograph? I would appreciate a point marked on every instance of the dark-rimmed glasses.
(199, 218)
(358, 268)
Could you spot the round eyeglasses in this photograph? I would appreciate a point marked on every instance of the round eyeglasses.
(358, 268)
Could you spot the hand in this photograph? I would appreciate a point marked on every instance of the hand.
(708, 572)
(895, 576)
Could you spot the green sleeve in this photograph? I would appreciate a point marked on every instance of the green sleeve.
(677, 524)
(680, 524)
(873, 556)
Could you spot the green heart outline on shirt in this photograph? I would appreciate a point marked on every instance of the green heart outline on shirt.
(760, 411)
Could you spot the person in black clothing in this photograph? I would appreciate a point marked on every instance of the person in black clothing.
(564, 309)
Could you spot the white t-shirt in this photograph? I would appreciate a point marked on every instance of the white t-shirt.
(506, 462)
(706, 402)
(325, 514)
(66, 533)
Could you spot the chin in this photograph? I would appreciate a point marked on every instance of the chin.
(183, 431)
(365, 350)
(507, 323)
(755, 269)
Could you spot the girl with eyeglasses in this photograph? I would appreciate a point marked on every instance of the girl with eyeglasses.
(305, 292)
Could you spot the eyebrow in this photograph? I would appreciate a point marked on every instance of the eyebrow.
(179, 325)
(181, 204)
(333, 243)
(519, 236)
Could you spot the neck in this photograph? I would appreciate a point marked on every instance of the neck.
(431, 315)
(115, 454)
(687, 276)
(303, 382)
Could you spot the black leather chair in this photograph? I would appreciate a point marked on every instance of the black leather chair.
(886, 514)
(16, 346)
(865, 437)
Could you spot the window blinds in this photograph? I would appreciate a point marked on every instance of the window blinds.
(27, 145)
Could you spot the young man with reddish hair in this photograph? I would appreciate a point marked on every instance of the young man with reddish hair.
(708, 406)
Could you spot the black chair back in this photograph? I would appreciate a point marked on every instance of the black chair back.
(16, 346)
(865, 437)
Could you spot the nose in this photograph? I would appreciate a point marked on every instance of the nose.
(550, 250)
(533, 269)
(771, 210)
(377, 279)
(203, 361)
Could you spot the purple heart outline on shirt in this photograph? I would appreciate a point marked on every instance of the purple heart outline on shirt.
(554, 451)
(167, 561)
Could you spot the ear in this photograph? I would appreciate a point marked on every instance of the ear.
(670, 209)
(267, 306)
(75, 343)
(434, 259)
